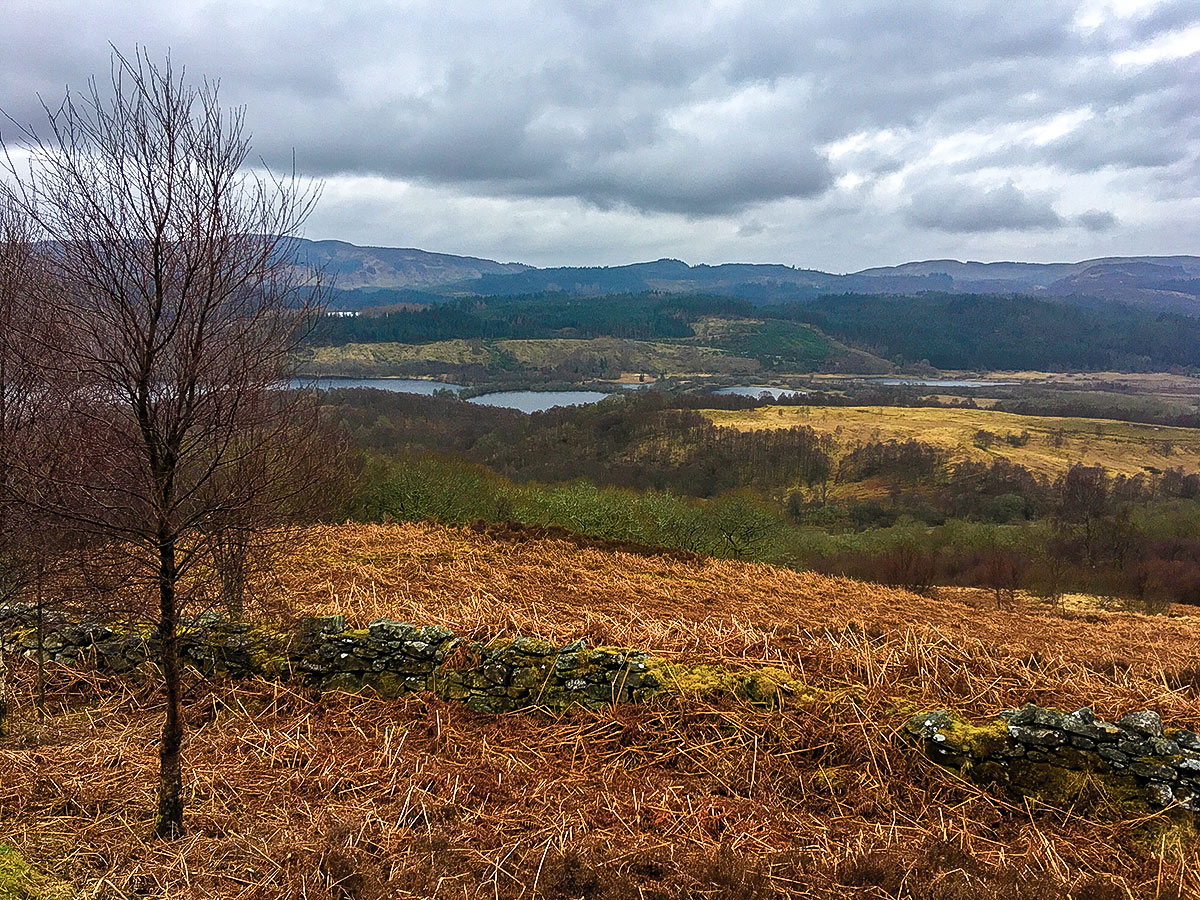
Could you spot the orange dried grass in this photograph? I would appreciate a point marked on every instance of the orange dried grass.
(962, 651)
(355, 797)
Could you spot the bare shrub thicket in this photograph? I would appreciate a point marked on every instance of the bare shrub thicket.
(34, 551)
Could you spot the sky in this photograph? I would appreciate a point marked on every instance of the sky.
(830, 135)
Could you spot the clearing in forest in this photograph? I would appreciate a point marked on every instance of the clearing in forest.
(1047, 445)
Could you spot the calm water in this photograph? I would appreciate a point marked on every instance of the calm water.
(525, 401)
(538, 401)
(940, 382)
(400, 385)
(755, 391)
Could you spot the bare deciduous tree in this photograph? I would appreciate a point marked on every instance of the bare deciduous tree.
(179, 307)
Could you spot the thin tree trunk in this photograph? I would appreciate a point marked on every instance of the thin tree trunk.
(169, 823)
(41, 646)
(3, 695)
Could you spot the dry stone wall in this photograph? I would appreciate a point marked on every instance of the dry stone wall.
(1133, 769)
(1046, 753)
(395, 658)
(1032, 752)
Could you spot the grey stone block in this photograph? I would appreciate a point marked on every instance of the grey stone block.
(1144, 722)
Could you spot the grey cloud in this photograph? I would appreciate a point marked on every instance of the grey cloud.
(962, 208)
(1096, 220)
(684, 176)
(669, 107)
(752, 228)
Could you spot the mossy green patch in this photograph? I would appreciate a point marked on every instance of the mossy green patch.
(827, 780)
(975, 740)
(269, 651)
(18, 881)
(270, 665)
(901, 707)
(1168, 833)
(766, 685)
(1094, 786)
(386, 684)
(345, 682)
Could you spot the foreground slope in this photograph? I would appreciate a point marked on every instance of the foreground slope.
(350, 796)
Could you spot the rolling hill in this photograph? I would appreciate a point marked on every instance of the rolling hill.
(352, 267)
(366, 276)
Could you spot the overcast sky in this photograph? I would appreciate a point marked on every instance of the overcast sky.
(833, 135)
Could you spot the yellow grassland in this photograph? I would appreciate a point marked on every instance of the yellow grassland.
(541, 353)
(1054, 443)
(655, 356)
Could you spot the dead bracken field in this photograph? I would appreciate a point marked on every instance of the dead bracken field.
(354, 797)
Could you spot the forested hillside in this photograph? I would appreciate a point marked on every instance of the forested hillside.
(366, 275)
(974, 331)
(950, 331)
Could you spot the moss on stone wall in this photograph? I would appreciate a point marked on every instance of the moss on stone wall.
(1132, 770)
(394, 658)
(766, 685)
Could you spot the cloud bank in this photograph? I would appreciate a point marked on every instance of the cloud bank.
(826, 134)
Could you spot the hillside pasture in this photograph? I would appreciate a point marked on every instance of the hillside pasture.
(666, 358)
(541, 355)
(351, 797)
(1054, 443)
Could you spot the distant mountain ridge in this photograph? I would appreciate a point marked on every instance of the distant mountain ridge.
(374, 274)
(353, 267)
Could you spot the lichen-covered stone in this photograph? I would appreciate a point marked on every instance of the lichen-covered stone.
(566, 662)
(1032, 715)
(1152, 769)
(1136, 748)
(1038, 737)
(314, 625)
(1083, 723)
(1113, 756)
(532, 646)
(1188, 740)
(391, 630)
(1144, 722)
(1159, 793)
(1164, 747)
